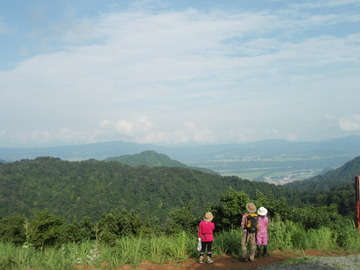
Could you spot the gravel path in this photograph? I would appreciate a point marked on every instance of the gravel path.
(351, 262)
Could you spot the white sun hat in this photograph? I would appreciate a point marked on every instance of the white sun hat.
(262, 211)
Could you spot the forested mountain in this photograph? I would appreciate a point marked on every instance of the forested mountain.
(152, 159)
(90, 188)
(273, 161)
(148, 158)
(338, 177)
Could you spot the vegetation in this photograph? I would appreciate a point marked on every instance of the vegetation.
(162, 248)
(44, 229)
(151, 158)
(276, 161)
(147, 158)
(90, 188)
(341, 176)
(58, 214)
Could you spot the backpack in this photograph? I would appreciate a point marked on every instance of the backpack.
(252, 222)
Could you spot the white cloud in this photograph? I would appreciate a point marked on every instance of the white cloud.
(144, 130)
(350, 124)
(128, 127)
(241, 134)
(189, 133)
(62, 135)
(186, 75)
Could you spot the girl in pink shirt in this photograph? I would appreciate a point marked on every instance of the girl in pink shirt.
(262, 234)
(205, 233)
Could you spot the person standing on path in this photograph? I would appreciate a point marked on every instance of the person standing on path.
(205, 232)
(248, 234)
(262, 236)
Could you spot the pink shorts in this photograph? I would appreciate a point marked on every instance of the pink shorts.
(262, 240)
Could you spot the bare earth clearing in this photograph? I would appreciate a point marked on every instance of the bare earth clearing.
(232, 263)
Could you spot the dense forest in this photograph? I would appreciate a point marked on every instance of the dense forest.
(89, 188)
(53, 201)
(74, 190)
(148, 158)
(151, 158)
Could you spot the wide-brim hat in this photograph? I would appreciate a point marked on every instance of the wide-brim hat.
(208, 216)
(262, 211)
(251, 207)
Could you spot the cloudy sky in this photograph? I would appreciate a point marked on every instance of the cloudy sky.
(174, 72)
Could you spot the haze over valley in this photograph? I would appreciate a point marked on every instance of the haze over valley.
(272, 161)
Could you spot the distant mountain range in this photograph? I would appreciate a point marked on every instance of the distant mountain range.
(274, 161)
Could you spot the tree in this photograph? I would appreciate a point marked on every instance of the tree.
(278, 207)
(12, 229)
(46, 229)
(181, 219)
(129, 223)
(107, 229)
(229, 213)
(86, 229)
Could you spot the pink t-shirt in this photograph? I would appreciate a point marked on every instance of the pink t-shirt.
(205, 232)
(263, 223)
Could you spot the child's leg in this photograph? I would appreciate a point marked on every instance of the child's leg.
(258, 251)
(265, 251)
(209, 252)
(265, 243)
(259, 243)
(209, 249)
(202, 252)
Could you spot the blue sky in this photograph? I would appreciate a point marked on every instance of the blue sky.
(178, 72)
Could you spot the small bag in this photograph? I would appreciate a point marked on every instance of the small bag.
(199, 245)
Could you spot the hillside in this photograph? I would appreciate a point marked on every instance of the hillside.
(338, 177)
(152, 159)
(90, 188)
(273, 161)
(148, 158)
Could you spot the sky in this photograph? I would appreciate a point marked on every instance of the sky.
(178, 72)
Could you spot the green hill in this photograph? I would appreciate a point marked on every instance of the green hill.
(333, 178)
(148, 158)
(90, 188)
(151, 159)
(333, 187)
(73, 190)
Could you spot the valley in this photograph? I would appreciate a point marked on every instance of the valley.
(277, 170)
(273, 161)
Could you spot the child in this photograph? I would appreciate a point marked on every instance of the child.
(262, 236)
(206, 229)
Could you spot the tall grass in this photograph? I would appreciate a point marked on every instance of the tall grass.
(291, 236)
(162, 248)
(228, 242)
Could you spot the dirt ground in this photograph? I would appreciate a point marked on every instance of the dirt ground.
(232, 263)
